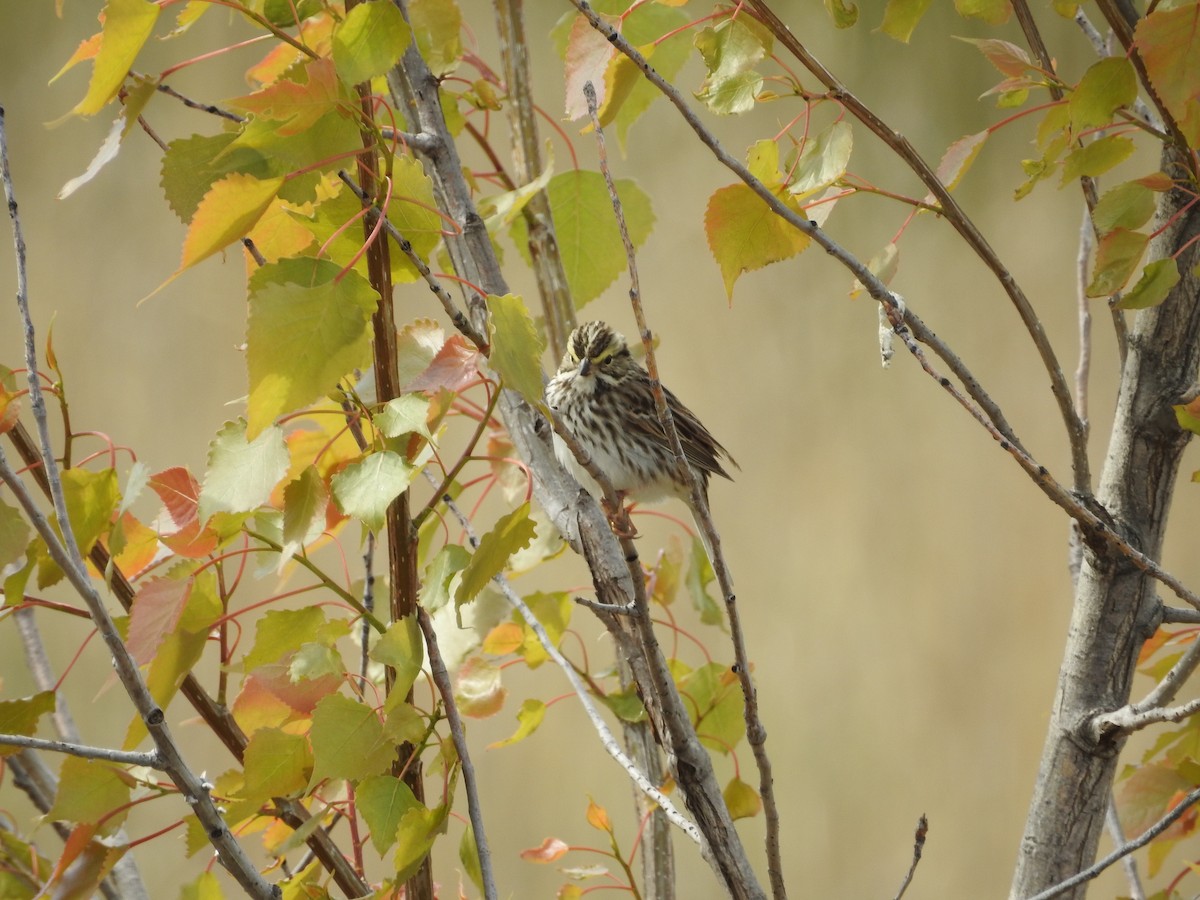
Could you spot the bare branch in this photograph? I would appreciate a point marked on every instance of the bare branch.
(122, 757)
(1129, 864)
(962, 224)
(607, 739)
(756, 734)
(918, 848)
(65, 552)
(441, 678)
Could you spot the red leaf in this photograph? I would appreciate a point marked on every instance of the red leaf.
(180, 493)
(157, 608)
(550, 850)
(455, 366)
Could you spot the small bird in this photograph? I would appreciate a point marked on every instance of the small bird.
(604, 399)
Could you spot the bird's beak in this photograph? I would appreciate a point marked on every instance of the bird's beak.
(585, 366)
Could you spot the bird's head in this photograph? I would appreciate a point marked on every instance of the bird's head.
(594, 349)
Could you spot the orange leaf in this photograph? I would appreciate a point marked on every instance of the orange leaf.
(597, 817)
(550, 850)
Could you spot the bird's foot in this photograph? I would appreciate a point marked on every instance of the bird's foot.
(618, 519)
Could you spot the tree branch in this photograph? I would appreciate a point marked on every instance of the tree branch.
(123, 757)
(756, 734)
(441, 678)
(1140, 841)
(66, 554)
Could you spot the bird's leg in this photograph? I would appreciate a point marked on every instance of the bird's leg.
(618, 519)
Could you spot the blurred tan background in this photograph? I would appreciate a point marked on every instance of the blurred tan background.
(904, 587)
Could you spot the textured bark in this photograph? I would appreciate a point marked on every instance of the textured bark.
(1115, 607)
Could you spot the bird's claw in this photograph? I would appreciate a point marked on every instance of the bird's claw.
(618, 519)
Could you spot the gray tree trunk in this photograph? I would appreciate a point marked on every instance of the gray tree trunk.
(1116, 607)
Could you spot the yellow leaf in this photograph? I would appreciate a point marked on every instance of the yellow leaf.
(127, 25)
(231, 208)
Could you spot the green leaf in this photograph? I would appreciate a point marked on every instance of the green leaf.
(365, 489)
(699, 576)
(241, 474)
(92, 498)
(994, 12)
(468, 855)
(280, 632)
(314, 661)
(14, 534)
(191, 165)
(823, 161)
(415, 836)
(1153, 287)
(304, 503)
(553, 611)
(347, 741)
(88, 790)
(1117, 255)
(512, 533)
(435, 586)
(733, 95)
(1097, 157)
(127, 26)
(382, 800)
(529, 717)
(277, 764)
(646, 25)
(900, 18)
(742, 800)
(437, 25)
(715, 703)
(589, 242)
(369, 41)
(744, 234)
(1168, 40)
(1107, 86)
(301, 339)
(730, 50)
(408, 414)
(733, 46)
(402, 647)
(516, 347)
(1129, 205)
(844, 14)
(21, 716)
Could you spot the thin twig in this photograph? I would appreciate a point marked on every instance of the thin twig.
(1113, 821)
(912, 329)
(66, 554)
(441, 678)
(209, 108)
(1124, 850)
(460, 320)
(125, 880)
(122, 757)
(756, 734)
(607, 739)
(961, 222)
(918, 849)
